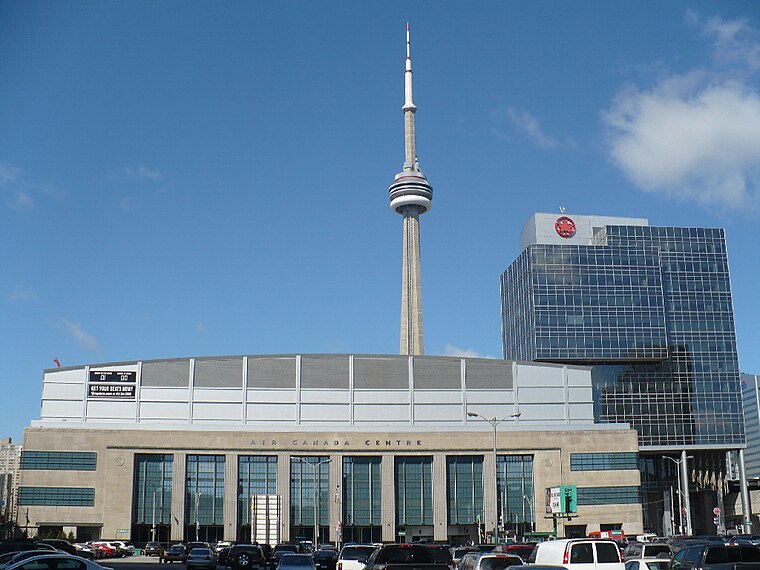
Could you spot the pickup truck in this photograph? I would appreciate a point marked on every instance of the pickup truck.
(403, 557)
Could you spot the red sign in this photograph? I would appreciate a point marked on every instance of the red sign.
(565, 227)
(716, 511)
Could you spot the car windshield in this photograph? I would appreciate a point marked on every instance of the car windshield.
(197, 552)
(658, 565)
(441, 555)
(489, 563)
(295, 560)
(177, 549)
(360, 553)
(655, 550)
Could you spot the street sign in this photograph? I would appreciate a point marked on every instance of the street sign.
(716, 520)
(716, 511)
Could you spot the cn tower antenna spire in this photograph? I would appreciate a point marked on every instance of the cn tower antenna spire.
(411, 196)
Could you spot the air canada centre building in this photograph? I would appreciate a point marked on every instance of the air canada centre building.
(398, 448)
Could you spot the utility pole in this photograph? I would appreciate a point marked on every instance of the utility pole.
(197, 515)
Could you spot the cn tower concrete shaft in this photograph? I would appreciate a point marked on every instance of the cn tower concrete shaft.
(411, 196)
(411, 287)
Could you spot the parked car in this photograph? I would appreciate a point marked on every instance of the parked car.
(354, 556)
(521, 549)
(10, 558)
(647, 550)
(495, 561)
(204, 558)
(246, 557)
(85, 551)
(715, 556)
(580, 554)
(325, 559)
(403, 557)
(647, 564)
(221, 544)
(59, 544)
(296, 562)
(441, 554)
(458, 552)
(175, 553)
(279, 551)
(190, 545)
(58, 561)
(126, 546)
(152, 549)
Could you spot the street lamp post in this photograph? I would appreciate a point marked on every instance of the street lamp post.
(197, 516)
(494, 423)
(315, 468)
(684, 506)
(153, 527)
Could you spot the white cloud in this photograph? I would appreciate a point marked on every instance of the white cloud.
(22, 294)
(694, 136)
(735, 41)
(8, 173)
(526, 125)
(82, 338)
(21, 192)
(143, 172)
(451, 350)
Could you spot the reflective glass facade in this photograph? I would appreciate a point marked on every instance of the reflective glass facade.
(257, 475)
(59, 460)
(362, 487)
(204, 497)
(414, 490)
(152, 496)
(56, 496)
(464, 485)
(514, 484)
(650, 309)
(309, 483)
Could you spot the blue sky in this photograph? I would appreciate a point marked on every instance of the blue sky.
(198, 178)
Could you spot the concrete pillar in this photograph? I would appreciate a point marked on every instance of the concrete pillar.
(686, 500)
(388, 500)
(335, 496)
(440, 508)
(490, 499)
(179, 477)
(746, 505)
(283, 489)
(230, 496)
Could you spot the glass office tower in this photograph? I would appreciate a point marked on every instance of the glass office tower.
(649, 308)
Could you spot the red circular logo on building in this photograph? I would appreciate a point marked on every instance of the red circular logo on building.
(565, 227)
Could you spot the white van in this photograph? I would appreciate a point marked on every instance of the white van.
(579, 554)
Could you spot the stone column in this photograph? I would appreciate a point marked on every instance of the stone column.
(388, 500)
(283, 490)
(490, 511)
(440, 508)
(335, 496)
(230, 496)
(178, 497)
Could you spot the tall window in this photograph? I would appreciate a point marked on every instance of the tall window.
(414, 490)
(152, 489)
(361, 491)
(514, 482)
(464, 476)
(257, 475)
(204, 495)
(152, 497)
(309, 491)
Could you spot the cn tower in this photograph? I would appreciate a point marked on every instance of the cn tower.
(411, 196)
